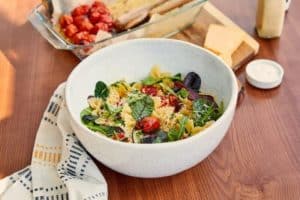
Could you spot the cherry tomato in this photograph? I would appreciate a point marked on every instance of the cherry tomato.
(106, 19)
(81, 37)
(79, 19)
(91, 38)
(99, 26)
(80, 10)
(149, 124)
(65, 20)
(83, 23)
(150, 90)
(95, 17)
(70, 30)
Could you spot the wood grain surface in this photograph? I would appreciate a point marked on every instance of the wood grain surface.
(258, 159)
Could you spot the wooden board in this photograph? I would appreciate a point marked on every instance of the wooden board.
(209, 14)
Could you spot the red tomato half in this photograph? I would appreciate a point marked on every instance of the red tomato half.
(149, 124)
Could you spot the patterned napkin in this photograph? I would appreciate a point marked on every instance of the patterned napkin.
(60, 167)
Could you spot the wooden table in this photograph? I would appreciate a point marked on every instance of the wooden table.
(258, 159)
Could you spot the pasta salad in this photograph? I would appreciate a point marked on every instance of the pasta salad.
(160, 108)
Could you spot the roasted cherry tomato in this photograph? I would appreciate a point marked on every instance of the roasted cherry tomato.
(83, 23)
(106, 19)
(164, 100)
(150, 90)
(81, 37)
(79, 19)
(91, 38)
(80, 10)
(149, 124)
(95, 17)
(65, 20)
(99, 26)
(174, 101)
(70, 30)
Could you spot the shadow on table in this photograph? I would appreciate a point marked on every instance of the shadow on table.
(32, 70)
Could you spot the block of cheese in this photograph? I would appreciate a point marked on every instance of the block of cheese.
(222, 40)
(222, 19)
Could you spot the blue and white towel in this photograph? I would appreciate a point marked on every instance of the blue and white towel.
(60, 167)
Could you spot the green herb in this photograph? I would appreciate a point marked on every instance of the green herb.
(183, 93)
(142, 107)
(205, 111)
(175, 134)
(176, 77)
(150, 80)
(101, 90)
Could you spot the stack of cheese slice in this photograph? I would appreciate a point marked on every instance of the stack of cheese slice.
(223, 41)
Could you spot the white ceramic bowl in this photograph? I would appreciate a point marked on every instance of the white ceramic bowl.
(132, 60)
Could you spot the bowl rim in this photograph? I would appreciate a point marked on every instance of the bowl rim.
(79, 66)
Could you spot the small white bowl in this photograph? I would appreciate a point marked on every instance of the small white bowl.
(132, 60)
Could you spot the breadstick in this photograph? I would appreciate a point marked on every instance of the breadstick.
(169, 5)
(136, 21)
(127, 17)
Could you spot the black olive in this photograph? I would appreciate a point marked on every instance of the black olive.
(192, 81)
(88, 118)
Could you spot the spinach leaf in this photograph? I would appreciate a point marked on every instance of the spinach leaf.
(101, 90)
(175, 134)
(89, 121)
(150, 80)
(86, 111)
(205, 111)
(109, 131)
(142, 107)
